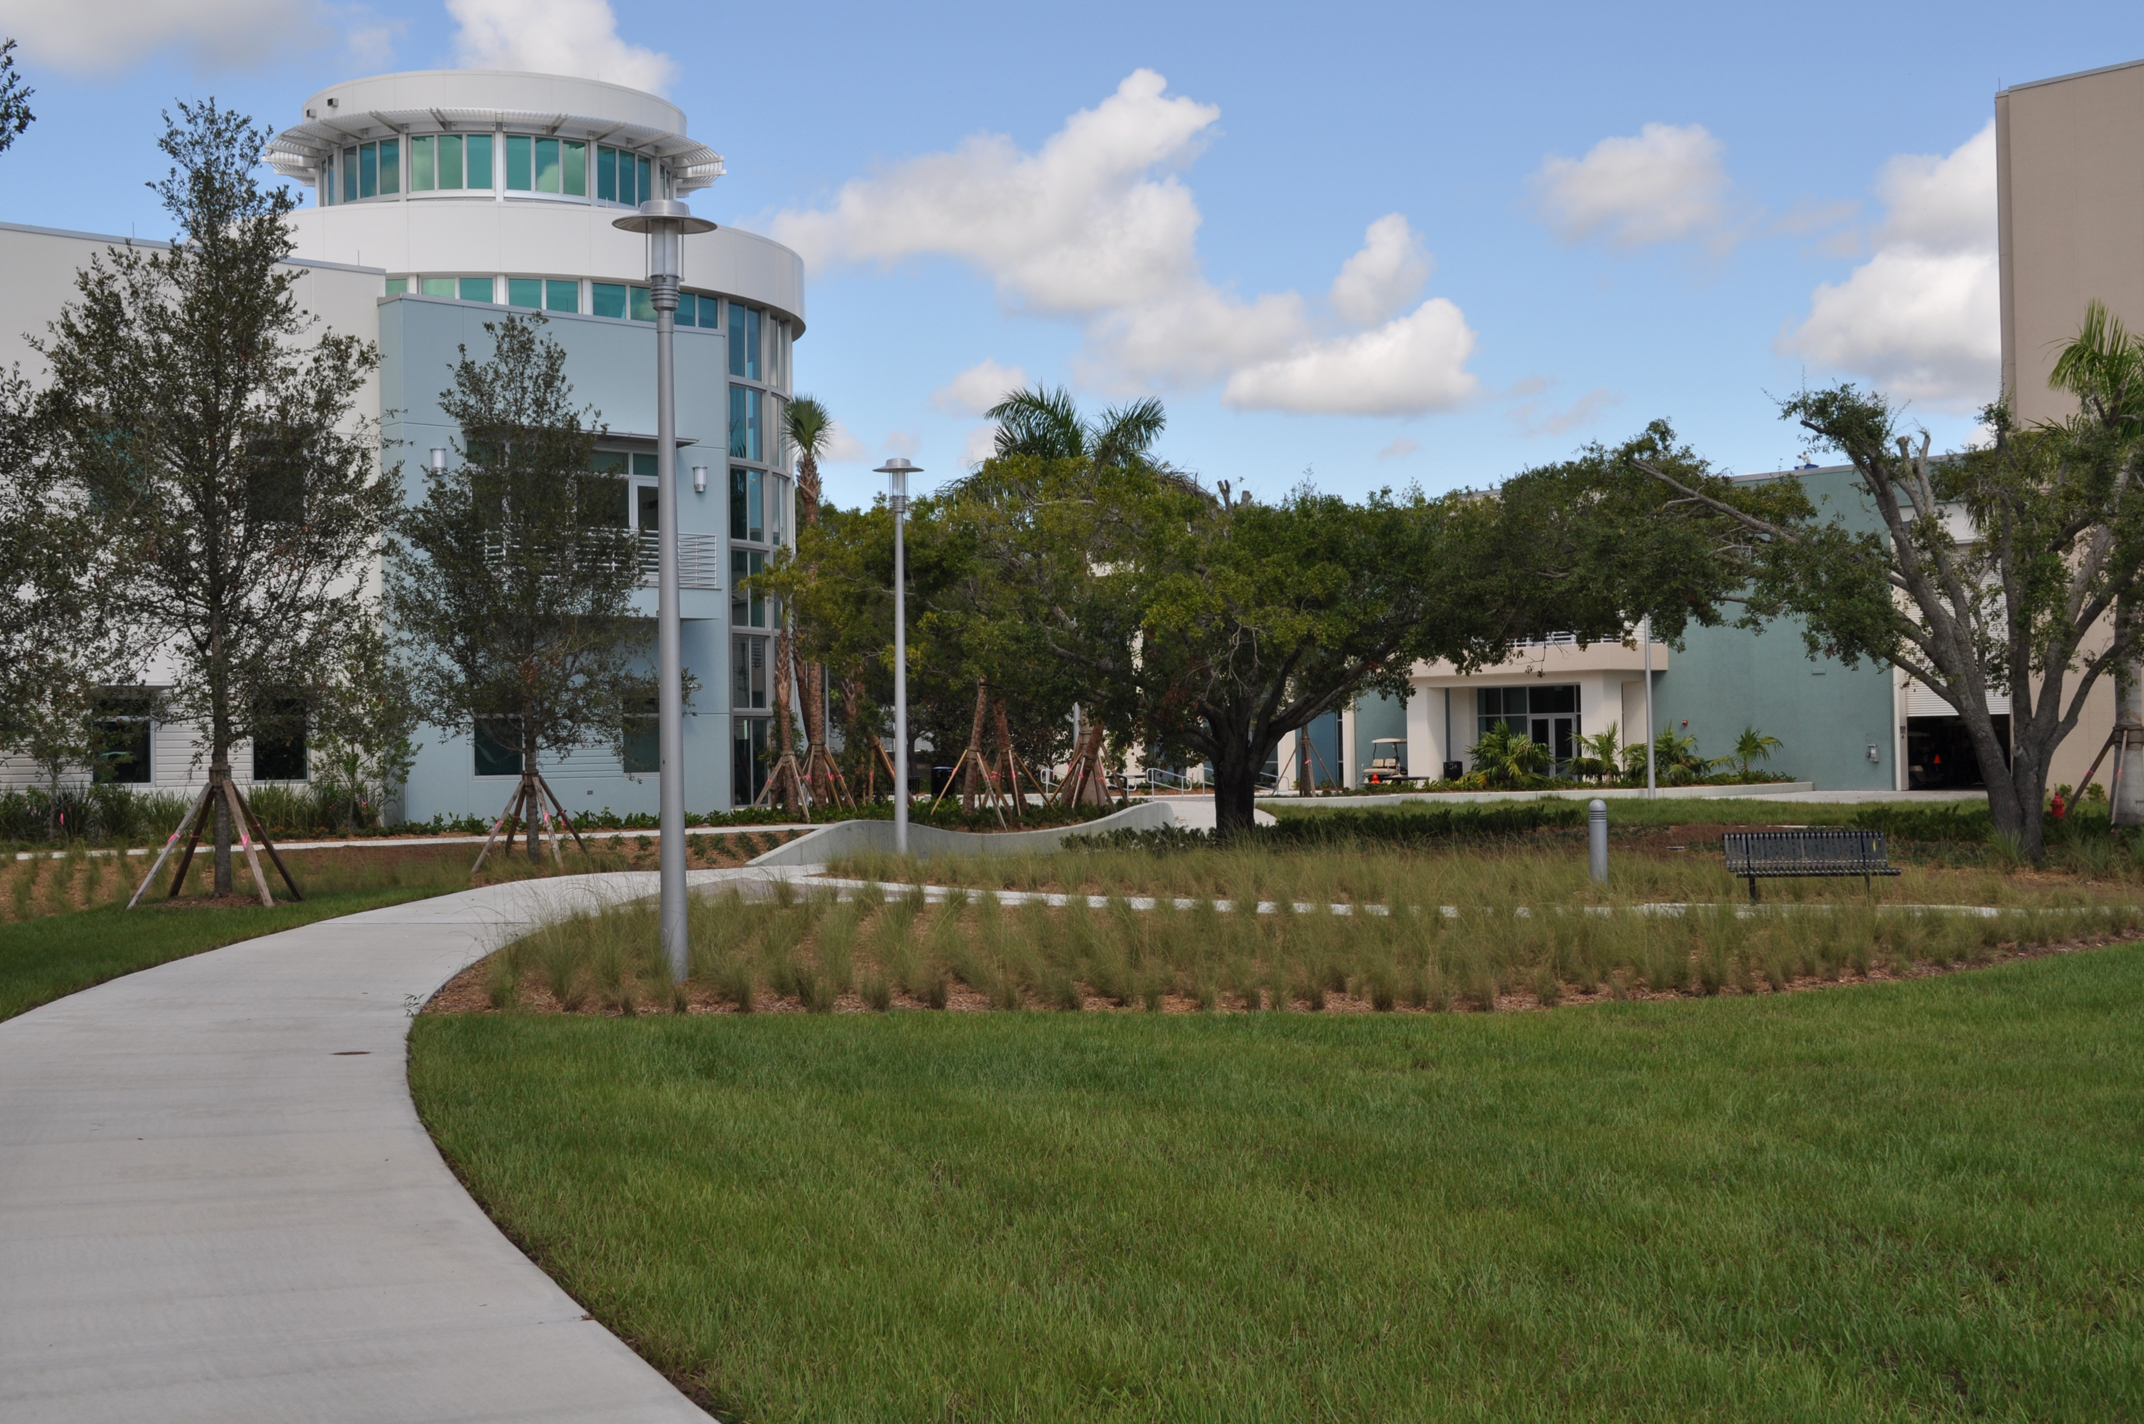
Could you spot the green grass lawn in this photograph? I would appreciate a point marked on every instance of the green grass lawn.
(1899, 1201)
(43, 959)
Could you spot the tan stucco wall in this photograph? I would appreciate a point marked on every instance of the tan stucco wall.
(2070, 185)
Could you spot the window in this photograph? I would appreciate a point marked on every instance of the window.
(449, 161)
(641, 739)
(747, 610)
(479, 147)
(749, 667)
(372, 170)
(1545, 713)
(498, 746)
(546, 165)
(688, 309)
(397, 286)
(279, 741)
(121, 754)
(777, 353)
(543, 294)
(476, 289)
(744, 342)
(748, 759)
(745, 443)
(623, 178)
(607, 299)
(275, 481)
(643, 304)
(747, 502)
(439, 286)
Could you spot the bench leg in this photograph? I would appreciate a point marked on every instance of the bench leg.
(1753, 889)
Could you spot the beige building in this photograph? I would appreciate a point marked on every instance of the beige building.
(2070, 214)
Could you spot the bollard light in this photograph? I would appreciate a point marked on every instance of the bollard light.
(1597, 840)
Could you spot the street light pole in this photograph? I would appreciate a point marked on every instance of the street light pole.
(664, 221)
(897, 470)
(1645, 628)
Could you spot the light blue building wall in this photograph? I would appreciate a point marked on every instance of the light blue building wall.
(611, 364)
(1827, 716)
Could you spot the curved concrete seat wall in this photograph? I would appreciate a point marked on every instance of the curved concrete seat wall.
(925, 842)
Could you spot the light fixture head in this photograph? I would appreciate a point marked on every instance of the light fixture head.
(897, 470)
(699, 479)
(439, 457)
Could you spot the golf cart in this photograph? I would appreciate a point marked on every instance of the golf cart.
(1388, 762)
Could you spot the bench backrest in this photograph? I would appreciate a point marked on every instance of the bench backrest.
(1831, 851)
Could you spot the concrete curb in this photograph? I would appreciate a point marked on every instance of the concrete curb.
(217, 1202)
(1448, 798)
(853, 837)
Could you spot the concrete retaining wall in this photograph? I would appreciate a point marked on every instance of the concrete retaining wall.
(924, 842)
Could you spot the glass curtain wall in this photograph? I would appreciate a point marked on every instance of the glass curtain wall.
(758, 498)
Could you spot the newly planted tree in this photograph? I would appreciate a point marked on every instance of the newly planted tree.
(210, 433)
(511, 585)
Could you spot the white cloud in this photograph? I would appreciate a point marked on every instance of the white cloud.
(577, 37)
(1664, 184)
(981, 444)
(215, 35)
(1399, 449)
(1385, 276)
(843, 448)
(1081, 224)
(900, 442)
(1097, 227)
(1535, 418)
(1412, 364)
(1922, 318)
(979, 387)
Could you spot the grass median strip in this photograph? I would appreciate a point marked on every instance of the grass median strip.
(1918, 1200)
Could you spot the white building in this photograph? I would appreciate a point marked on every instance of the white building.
(442, 200)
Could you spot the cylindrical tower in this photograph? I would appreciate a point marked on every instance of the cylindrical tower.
(481, 192)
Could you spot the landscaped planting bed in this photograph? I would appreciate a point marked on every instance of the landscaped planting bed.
(1479, 929)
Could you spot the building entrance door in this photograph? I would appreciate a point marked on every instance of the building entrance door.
(1559, 735)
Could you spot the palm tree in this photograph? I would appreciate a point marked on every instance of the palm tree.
(1047, 424)
(810, 428)
(1507, 757)
(1754, 746)
(1605, 747)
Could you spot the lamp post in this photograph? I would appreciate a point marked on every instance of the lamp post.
(665, 221)
(1645, 628)
(897, 470)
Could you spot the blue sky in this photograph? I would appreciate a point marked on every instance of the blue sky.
(1383, 245)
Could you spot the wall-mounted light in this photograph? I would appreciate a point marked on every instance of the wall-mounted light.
(699, 479)
(1875, 752)
(439, 458)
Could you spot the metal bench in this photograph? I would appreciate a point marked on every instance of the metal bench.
(1764, 855)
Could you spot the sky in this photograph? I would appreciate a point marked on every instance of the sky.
(1362, 246)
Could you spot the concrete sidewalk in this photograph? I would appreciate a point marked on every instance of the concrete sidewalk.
(217, 1202)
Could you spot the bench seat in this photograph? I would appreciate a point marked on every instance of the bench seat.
(1830, 851)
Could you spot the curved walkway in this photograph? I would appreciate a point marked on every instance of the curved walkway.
(217, 1202)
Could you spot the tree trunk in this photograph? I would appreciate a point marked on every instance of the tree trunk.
(530, 806)
(2126, 806)
(971, 782)
(814, 692)
(221, 772)
(1235, 788)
